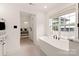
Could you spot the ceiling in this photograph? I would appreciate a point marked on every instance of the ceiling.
(50, 6)
(40, 7)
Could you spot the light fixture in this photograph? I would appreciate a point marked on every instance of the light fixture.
(25, 22)
(31, 4)
(45, 6)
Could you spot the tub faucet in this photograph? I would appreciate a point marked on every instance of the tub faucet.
(55, 36)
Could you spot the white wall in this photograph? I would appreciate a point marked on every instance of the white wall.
(11, 14)
(77, 21)
(31, 26)
(40, 25)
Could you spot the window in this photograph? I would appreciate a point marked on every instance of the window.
(55, 23)
(64, 25)
(64, 22)
(67, 22)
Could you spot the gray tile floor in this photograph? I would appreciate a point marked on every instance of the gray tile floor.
(27, 48)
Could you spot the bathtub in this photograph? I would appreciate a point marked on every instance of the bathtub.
(62, 44)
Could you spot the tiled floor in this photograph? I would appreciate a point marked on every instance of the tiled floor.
(27, 48)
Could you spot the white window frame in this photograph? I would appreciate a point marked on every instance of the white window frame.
(70, 10)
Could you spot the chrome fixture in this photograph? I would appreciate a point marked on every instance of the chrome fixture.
(56, 37)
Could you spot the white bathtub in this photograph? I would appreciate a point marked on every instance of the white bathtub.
(60, 44)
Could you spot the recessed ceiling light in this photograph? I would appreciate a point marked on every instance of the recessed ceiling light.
(45, 6)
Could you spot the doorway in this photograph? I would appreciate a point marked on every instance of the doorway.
(26, 30)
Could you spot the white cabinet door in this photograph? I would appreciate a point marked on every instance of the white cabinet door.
(3, 47)
(0, 49)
